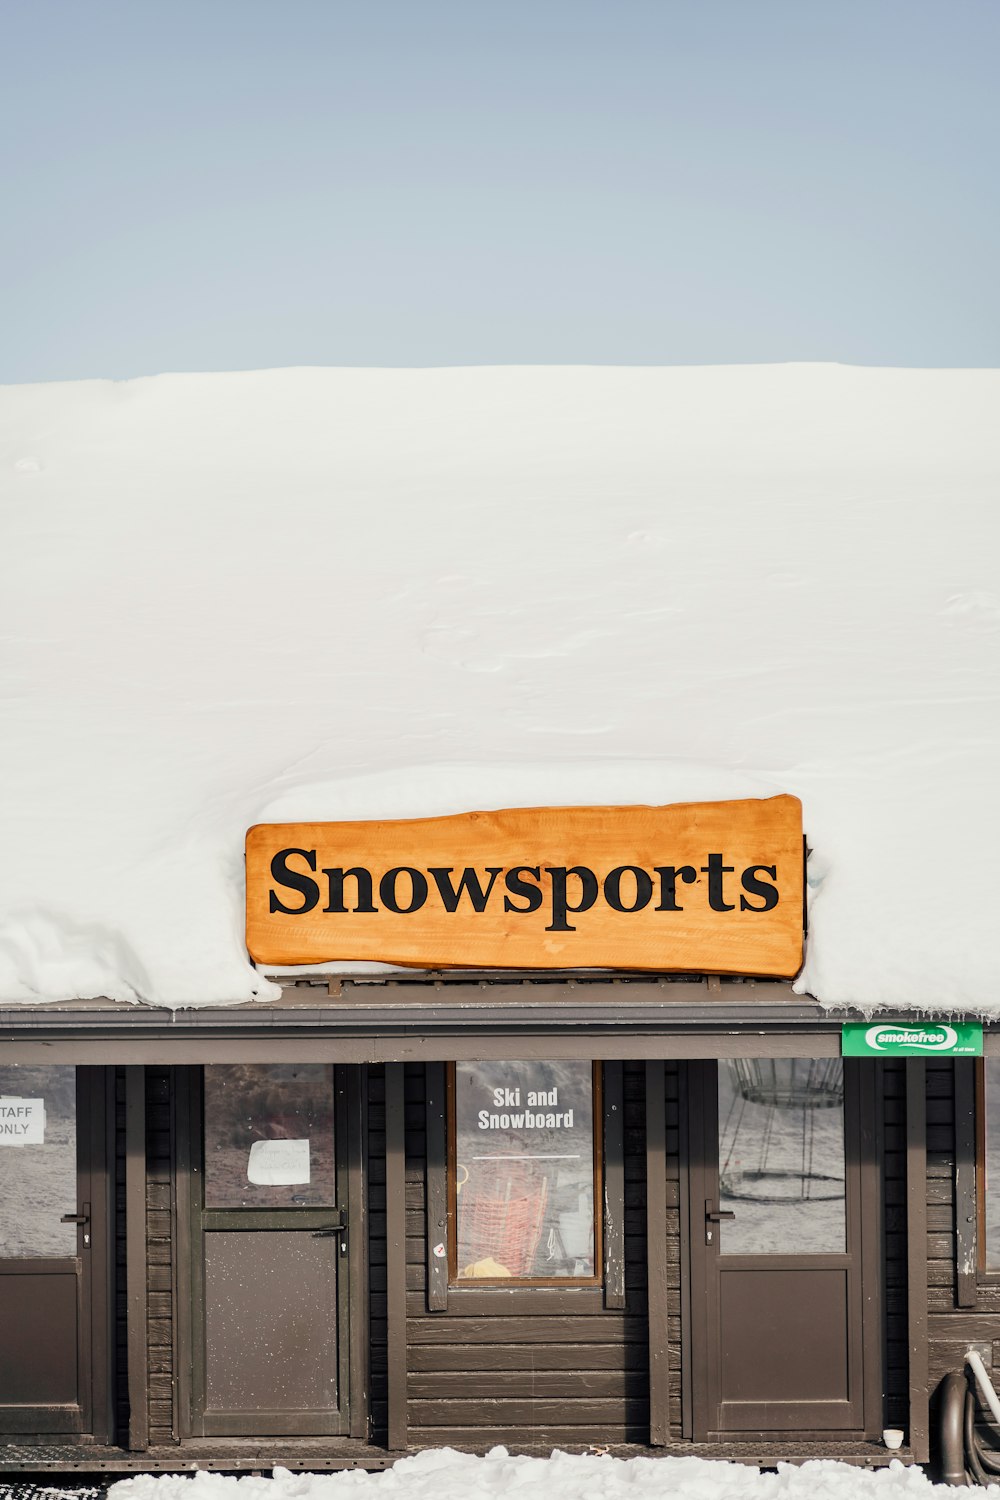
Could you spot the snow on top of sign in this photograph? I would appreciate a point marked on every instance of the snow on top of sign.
(444, 1474)
(230, 599)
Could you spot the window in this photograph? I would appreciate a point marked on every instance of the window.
(782, 1164)
(38, 1179)
(269, 1135)
(524, 1156)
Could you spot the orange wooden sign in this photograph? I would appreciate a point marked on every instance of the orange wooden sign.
(697, 887)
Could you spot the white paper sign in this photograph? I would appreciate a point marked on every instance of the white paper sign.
(22, 1122)
(278, 1163)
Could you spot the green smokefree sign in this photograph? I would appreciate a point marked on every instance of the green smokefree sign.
(919, 1039)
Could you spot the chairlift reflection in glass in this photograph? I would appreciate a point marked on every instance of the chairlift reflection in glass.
(781, 1155)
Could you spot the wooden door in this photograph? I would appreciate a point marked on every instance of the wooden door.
(53, 1252)
(781, 1253)
(269, 1252)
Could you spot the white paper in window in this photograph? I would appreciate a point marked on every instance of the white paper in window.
(22, 1122)
(278, 1163)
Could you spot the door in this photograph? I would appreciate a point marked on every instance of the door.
(269, 1251)
(53, 1252)
(781, 1221)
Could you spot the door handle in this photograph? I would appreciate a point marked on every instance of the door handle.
(330, 1232)
(82, 1219)
(714, 1215)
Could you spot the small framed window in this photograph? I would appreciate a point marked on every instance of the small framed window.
(524, 1173)
(269, 1135)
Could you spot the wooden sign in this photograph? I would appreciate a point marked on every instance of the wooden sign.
(697, 887)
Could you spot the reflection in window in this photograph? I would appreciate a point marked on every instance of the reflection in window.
(522, 1171)
(269, 1136)
(781, 1156)
(37, 1161)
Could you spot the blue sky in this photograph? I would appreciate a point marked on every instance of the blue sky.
(229, 184)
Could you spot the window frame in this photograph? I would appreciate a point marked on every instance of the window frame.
(595, 1282)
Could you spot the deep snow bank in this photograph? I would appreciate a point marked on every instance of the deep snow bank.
(443, 1474)
(320, 593)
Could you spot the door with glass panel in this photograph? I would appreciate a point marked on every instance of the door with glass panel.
(53, 1252)
(269, 1251)
(777, 1247)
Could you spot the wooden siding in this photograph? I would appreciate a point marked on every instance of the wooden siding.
(121, 1407)
(161, 1321)
(894, 1241)
(952, 1328)
(672, 1230)
(561, 1375)
(963, 1310)
(377, 1314)
(523, 1378)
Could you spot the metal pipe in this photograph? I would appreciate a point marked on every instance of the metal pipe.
(951, 1429)
(989, 1461)
(971, 1447)
(984, 1383)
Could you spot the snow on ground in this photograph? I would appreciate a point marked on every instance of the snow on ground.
(443, 1474)
(228, 599)
(17, 1487)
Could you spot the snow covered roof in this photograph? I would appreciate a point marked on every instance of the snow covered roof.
(308, 594)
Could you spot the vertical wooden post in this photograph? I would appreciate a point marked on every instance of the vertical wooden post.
(96, 1096)
(436, 1188)
(656, 1252)
(613, 1096)
(865, 1076)
(395, 1229)
(966, 1239)
(186, 1248)
(135, 1253)
(357, 1218)
(916, 1256)
(685, 1135)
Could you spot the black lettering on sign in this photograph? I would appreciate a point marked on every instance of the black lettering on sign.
(518, 886)
(294, 880)
(716, 872)
(560, 899)
(669, 876)
(335, 888)
(613, 888)
(762, 888)
(469, 885)
(574, 888)
(418, 889)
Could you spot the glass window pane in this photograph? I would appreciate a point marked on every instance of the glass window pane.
(524, 1170)
(781, 1156)
(37, 1161)
(991, 1068)
(269, 1136)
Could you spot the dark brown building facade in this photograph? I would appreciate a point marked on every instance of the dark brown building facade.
(630, 1213)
